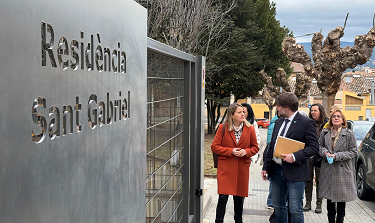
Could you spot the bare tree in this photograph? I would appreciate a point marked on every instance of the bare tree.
(195, 27)
(270, 92)
(269, 99)
(330, 60)
(189, 25)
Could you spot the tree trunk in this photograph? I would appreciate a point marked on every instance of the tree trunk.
(211, 108)
(222, 120)
(212, 118)
(216, 117)
(212, 126)
(209, 116)
(328, 101)
(270, 108)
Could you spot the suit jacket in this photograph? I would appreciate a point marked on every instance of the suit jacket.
(301, 129)
(233, 171)
(337, 180)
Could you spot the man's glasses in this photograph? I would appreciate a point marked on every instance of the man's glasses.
(336, 116)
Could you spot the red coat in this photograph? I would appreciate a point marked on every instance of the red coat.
(232, 171)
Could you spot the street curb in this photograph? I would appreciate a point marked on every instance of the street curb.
(210, 175)
(365, 208)
(207, 199)
(209, 193)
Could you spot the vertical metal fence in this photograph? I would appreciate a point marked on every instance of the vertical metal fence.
(170, 182)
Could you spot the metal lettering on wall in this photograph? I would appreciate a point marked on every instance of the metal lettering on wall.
(107, 110)
(73, 111)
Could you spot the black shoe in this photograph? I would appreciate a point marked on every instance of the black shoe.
(318, 209)
(307, 207)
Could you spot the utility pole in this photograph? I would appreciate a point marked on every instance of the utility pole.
(372, 90)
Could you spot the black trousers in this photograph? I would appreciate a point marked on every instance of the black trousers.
(221, 205)
(309, 184)
(332, 210)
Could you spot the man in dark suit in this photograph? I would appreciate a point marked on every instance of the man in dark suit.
(289, 175)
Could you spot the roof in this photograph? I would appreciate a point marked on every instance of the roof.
(360, 83)
(314, 90)
(297, 67)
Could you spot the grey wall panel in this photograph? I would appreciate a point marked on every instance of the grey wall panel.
(92, 175)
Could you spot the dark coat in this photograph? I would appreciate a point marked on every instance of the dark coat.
(337, 180)
(317, 158)
(301, 129)
(233, 171)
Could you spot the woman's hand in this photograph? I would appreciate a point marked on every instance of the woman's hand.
(330, 155)
(238, 152)
(235, 151)
(242, 153)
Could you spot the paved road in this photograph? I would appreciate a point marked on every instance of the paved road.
(370, 204)
(263, 137)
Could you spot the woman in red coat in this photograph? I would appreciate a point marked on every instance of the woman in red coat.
(234, 148)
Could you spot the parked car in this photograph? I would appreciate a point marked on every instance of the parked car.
(360, 128)
(262, 122)
(365, 166)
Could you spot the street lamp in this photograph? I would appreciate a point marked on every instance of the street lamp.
(372, 89)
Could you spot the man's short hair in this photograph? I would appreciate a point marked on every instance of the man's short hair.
(287, 100)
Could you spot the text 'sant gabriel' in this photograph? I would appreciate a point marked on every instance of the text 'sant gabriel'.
(78, 55)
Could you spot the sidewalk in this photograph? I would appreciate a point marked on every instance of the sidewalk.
(255, 204)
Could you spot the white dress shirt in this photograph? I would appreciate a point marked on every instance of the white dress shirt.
(278, 160)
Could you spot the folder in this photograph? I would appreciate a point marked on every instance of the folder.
(286, 146)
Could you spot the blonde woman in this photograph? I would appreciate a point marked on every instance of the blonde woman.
(235, 145)
(331, 110)
(337, 146)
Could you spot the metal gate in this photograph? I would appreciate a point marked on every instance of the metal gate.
(175, 102)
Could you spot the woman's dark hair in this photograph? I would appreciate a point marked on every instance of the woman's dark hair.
(321, 110)
(287, 100)
(250, 112)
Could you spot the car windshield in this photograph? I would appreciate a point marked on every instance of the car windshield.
(361, 130)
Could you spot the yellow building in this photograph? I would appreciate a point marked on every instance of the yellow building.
(355, 92)
(354, 97)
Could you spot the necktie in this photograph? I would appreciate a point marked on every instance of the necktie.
(283, 131)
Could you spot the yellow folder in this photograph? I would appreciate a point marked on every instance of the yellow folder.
(286, 146)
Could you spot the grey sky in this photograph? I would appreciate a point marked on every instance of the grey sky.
(309, 16)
